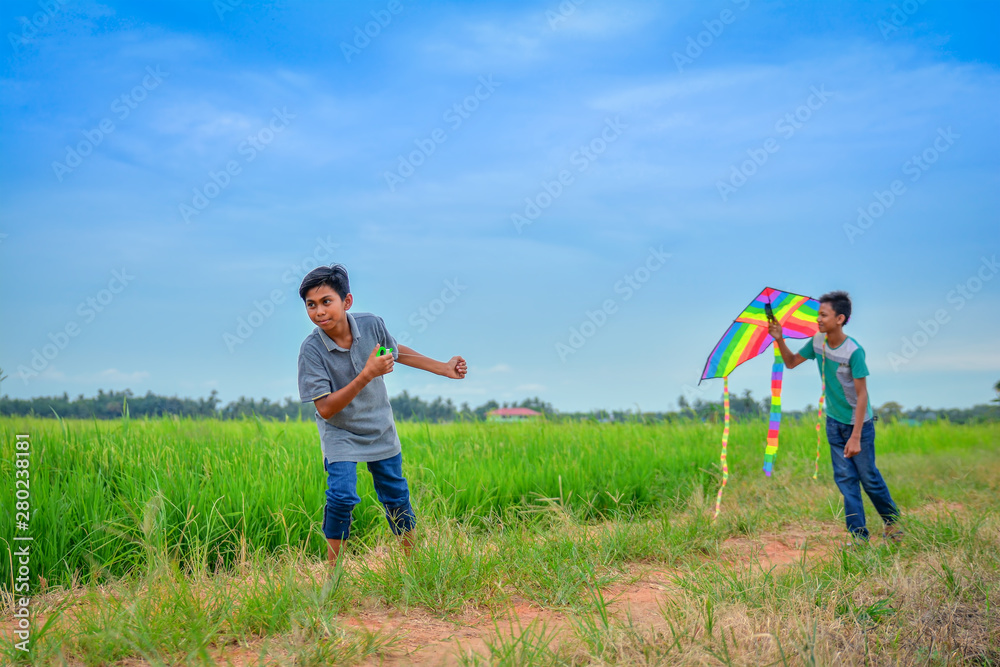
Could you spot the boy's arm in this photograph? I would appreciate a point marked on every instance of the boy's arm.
(853, 445)
(791, 359)
(329, 405)
(453, 368)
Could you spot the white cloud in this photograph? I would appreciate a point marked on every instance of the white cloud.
(968, 359)
(672, 88)
(432, 390)
(482, 42)
(108, 375)
(114, 375)
(601, 20)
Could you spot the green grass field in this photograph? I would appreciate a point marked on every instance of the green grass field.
(168, 541)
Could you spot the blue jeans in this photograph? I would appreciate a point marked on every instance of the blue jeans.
(859, 468)
(342, 495)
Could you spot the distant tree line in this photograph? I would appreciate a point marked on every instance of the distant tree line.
(110, 405)
(891, 411)
(113, 404)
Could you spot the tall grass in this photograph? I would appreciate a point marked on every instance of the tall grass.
(106, 496)
(212, 551)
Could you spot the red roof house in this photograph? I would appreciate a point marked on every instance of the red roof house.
(511, 414)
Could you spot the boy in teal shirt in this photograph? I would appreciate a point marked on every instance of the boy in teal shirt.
(850, 427)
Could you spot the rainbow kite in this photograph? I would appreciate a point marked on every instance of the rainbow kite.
(748, 337)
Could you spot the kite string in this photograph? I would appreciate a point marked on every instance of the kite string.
(819, 413)
(725, 442)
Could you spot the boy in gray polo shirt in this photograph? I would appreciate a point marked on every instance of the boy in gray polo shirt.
(341, 372)
(850, 427)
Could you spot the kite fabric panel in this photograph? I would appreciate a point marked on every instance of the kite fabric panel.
(747, 337)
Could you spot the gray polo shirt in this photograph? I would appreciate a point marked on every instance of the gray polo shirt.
(364, 430)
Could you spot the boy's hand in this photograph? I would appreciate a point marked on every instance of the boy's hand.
(376, 365)
(853, 446)
(774, 328)
(456, 368)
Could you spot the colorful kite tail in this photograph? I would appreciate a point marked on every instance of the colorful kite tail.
(819, 435)
(774, 424)
(725, 442)
(819, 413)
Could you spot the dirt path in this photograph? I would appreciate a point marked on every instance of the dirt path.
(421, 638)
(425, 640)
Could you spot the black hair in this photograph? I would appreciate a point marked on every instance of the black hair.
(334, 276)
(840, 301)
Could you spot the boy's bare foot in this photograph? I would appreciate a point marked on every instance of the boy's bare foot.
(333, 549)
(893, 533)
(409, 539)
(854, 543)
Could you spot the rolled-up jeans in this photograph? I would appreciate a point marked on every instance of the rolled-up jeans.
(342, 495)
(848, 472)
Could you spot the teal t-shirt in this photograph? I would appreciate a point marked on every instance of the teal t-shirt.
(843, 364)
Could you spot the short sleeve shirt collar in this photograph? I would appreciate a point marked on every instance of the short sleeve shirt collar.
(331, 345)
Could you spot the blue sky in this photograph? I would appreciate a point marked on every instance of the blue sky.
(495, 176)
